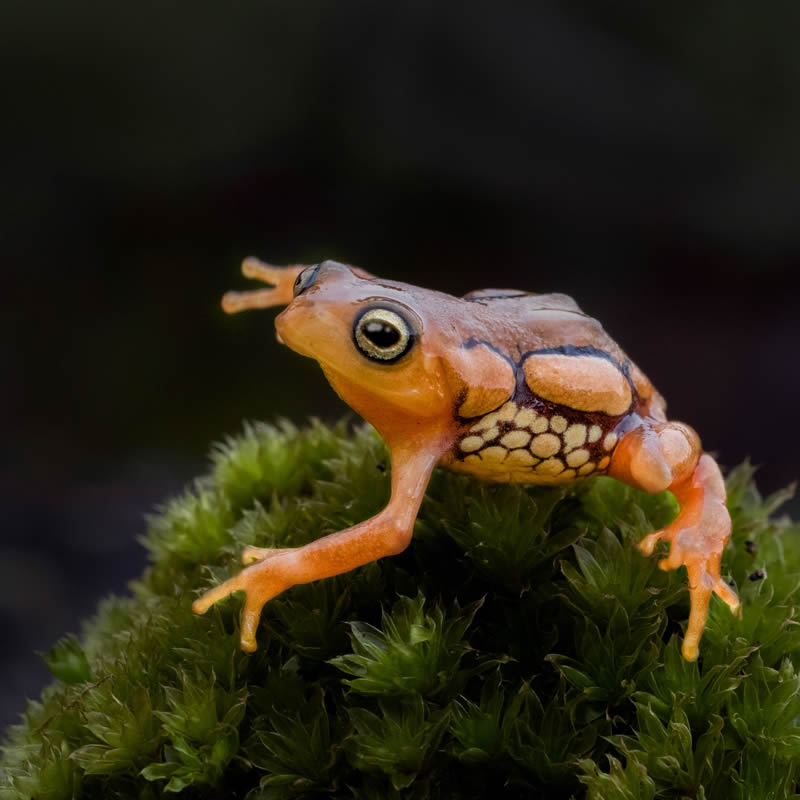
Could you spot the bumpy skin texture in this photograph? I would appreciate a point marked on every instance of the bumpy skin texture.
(507, 385)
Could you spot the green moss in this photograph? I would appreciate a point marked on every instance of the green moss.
(521, 647)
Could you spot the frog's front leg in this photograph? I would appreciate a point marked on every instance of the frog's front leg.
(387, 533)
(667, 455)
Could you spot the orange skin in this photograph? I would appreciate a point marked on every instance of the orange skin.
(506, 385)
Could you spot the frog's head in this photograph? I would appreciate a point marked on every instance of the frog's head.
(401, 356)
(372, 339)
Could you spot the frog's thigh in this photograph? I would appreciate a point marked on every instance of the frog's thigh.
(655, 457)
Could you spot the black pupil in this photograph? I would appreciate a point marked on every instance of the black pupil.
(381, 334)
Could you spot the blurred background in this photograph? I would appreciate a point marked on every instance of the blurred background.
(643, 158)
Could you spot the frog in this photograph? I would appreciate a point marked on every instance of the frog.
(505, 385)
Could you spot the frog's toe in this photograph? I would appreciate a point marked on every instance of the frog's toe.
(217, 593)
(704, 580)
(728, 596)
(679, 554)
(648, 544)
(251, 617)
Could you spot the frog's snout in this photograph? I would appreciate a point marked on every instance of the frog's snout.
(296, 326)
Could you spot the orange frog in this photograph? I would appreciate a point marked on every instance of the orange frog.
(506, 385)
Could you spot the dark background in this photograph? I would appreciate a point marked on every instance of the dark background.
(642, 157)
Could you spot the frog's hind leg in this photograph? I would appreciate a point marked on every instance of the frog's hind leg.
(280, 278)
(668, 456)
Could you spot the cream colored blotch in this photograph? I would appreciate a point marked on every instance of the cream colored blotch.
(552, 466)
(489, 421)
(540, 425)
(520, 458)
(494, 455)
(515, 439)
(507, 412)
(610, 441)
(577, 457)
(546, 444)
(575, 436)
(471, 443)
(525, 418)
(585, 383)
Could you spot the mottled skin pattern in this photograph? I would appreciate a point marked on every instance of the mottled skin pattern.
(532, 441)
(502, 384)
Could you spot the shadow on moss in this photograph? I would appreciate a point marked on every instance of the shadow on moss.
(520, 647)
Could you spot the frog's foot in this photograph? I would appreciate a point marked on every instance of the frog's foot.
(668, 456)
(697, 538)
(280, 278)
(261, 582)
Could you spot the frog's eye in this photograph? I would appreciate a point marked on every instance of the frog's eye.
(382, 334)
(305, 279)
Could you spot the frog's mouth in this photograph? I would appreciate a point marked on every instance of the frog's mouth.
(310, 330)
(284, 326)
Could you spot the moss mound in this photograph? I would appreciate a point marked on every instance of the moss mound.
(521, 647)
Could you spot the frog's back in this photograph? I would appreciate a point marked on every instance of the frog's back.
(522, 322)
